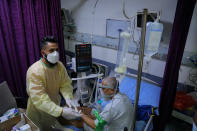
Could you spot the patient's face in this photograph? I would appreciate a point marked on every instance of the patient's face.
(108, 91)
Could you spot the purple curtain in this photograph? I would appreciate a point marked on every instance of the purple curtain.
(22, 25)
(184, 11)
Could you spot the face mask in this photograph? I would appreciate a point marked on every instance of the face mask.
(105, 96)
(53, 57)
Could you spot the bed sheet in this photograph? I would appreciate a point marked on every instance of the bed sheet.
(149, 93)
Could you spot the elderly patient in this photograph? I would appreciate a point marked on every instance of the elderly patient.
(116, 115)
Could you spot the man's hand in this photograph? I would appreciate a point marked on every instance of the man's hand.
(72, 104)
(70, 114)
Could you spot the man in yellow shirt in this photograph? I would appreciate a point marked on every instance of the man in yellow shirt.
(45, 79)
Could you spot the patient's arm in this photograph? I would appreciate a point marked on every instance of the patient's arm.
(88, 121)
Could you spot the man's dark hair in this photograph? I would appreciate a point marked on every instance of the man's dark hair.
(45, 41)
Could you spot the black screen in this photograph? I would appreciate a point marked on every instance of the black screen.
(83, 57)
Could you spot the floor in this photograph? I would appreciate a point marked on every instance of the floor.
(178, 125)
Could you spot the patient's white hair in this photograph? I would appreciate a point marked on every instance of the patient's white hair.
(110, 81)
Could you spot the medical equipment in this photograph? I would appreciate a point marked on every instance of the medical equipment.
(98, 68)
(83, 57)
(140, 65)
(25, 127)
(83, 89)
(83, 66)
(84, 93)
(151, 17)
(150, 40)
(9, 114)
(83, 63)
(153, 37)
(121, 66)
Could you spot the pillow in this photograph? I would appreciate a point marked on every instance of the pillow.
(7, 100)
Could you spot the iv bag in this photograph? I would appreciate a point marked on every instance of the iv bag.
(153, 37)
(121, 66)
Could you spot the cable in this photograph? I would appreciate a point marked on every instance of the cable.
(93, 20)
(132, 29)
(124, 12)
(95, 4)
(137, 43)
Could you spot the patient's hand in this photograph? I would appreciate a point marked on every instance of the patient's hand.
(87, 111)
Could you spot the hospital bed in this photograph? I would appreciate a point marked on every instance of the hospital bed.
(149, 97)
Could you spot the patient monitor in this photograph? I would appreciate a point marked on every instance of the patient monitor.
(83, 53)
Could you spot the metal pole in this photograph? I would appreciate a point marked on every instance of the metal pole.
(149, 122)
(140, 66)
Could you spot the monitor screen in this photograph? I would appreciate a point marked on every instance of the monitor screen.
(83, 57)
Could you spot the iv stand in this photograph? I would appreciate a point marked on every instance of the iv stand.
(140, 66)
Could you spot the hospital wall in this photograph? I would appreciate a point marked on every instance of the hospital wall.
(86, 22)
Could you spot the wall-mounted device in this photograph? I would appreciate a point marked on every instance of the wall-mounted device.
(151, 17)
(66, 16)
(67, 21)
